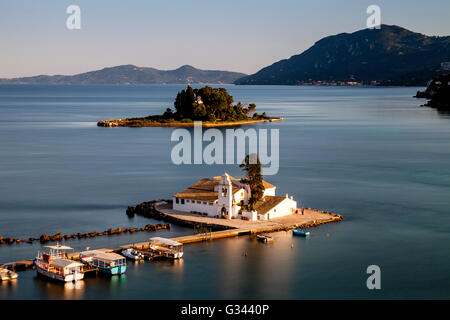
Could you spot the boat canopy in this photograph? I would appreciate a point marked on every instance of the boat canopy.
(166, 241)
(63, 263)
(106, 256)
(58, 247)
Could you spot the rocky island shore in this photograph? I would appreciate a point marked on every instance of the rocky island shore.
(144, 122)
(437, 93)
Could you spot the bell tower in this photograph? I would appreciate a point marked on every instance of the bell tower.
(225, 199)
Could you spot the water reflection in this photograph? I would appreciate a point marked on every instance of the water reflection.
(8, 288)
(444, 113)
(178, 265)
(105, 282)
(51, 289)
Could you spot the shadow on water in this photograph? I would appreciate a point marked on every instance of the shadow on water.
(52, 289)
(444, 113)
(9, 288)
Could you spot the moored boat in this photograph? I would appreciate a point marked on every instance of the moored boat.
(299, 232)
(132, 254)
(55, 265)
(166, 247)
(265, 238)
(106, 262)
(6, 274)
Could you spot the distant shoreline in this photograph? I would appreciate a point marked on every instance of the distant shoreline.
(213, 83)
(142, 123)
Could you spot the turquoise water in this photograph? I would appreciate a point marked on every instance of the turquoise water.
(371, 154)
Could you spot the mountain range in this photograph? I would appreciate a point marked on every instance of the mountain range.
(390, 55)
(130, 74)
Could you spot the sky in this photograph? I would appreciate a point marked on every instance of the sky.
(242, 36)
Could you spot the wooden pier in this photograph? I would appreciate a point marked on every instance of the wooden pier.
(18, 265)
(233, 228)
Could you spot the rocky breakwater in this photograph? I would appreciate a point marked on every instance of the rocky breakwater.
(147, 209)
(44, 238)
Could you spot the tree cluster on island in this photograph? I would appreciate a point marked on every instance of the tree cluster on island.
(209, 104)
(214, 106)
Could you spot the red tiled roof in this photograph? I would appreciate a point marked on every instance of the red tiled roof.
(267, 203)
(203, 189)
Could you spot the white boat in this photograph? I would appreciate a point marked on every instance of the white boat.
(6, 274)
(55, 265)
(166, 247)
(132, 254)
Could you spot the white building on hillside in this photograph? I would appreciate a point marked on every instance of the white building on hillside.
(224, 196)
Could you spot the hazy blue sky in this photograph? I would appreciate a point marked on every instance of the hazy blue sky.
(243, 35)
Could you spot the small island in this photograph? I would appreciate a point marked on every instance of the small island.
(437, 93)
(213, 106)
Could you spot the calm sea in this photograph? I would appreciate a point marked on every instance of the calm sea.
(372, 154)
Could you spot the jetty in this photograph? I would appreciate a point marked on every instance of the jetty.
(215, 228)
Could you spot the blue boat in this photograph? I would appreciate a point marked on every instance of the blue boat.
(106, 262)
(299, 232)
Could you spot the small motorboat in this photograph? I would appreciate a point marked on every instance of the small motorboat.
(299, 232)
(132, 254)
(265, 238)
(6, 274)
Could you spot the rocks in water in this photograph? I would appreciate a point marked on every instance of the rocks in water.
(44, 238)
(9, 240)
(59, 236)
(91, 234)
(56, 237)
(146, 209)
(108, 123)
(438, 93)
(115, 231)
(130, 211)
(422, 94)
